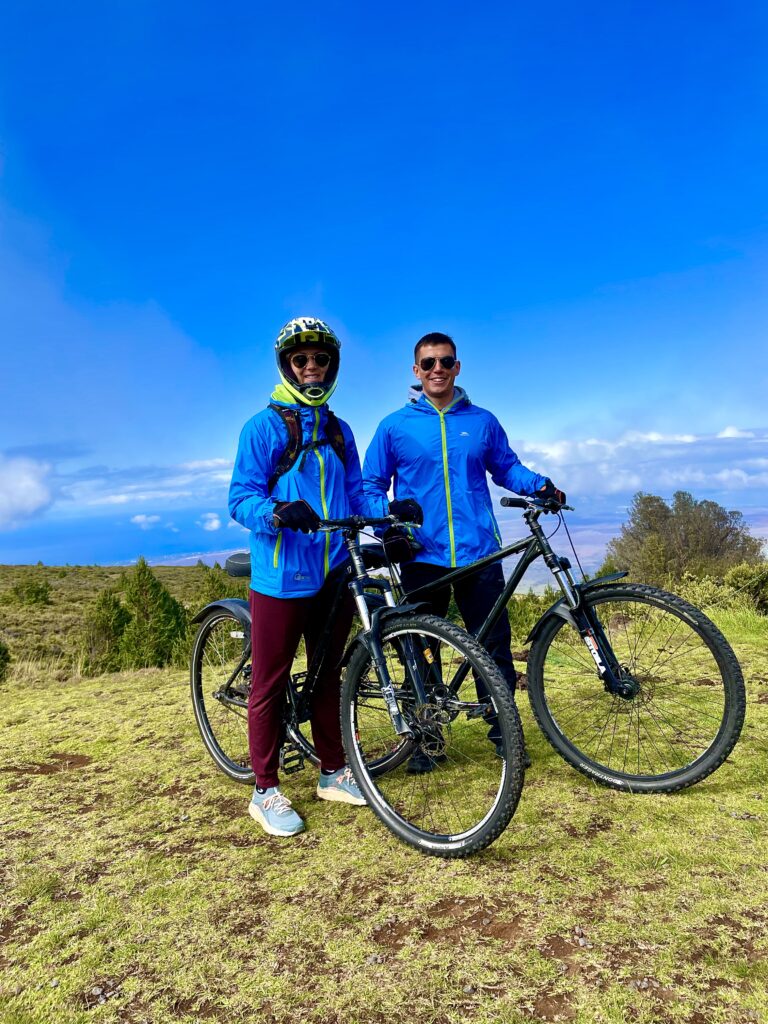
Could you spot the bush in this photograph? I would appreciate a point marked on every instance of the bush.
(213, 584)
(525, 610)
(707, 593)
(5, 660)
(157, 620)
(751, 580)
(102, 632)
(33, 590)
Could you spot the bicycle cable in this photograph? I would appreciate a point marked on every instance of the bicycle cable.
(573, 548)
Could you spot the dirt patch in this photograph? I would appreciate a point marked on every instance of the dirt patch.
(593, 828)
(8, 926)
(178, 788)
(98, 992)
(704, 681)
(57, 763)
(204, 1010)
(522, 681)
(553, 1007)
(520, 655)
(449, 918)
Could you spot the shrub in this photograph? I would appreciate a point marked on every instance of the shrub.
(32, 590)
(525, 610)
(102, 633)
(157, 620)
(5, 660)
(751, 580)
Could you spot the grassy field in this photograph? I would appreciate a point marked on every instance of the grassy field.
(135, 888)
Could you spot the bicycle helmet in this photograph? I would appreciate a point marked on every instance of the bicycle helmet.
(307, 330)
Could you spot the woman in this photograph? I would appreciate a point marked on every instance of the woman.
(295, 463)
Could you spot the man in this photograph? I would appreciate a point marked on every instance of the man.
(439, 449)
(296, 459)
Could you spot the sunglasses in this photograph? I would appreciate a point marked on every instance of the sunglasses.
(428, 363)
(300, 360)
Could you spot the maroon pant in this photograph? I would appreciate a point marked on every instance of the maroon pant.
(277, 626)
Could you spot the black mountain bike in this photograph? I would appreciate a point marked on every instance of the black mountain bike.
(412, 682)
(631, 685)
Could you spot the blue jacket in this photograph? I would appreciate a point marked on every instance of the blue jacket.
(285, 563)
(441, 458)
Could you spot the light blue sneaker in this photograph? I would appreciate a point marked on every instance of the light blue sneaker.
(340, 786)
(274, 813)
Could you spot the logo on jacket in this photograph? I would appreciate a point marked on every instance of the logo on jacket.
(464, 434)
(300, 576)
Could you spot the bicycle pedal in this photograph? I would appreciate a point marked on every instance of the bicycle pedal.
(483, 711)
(291, 759)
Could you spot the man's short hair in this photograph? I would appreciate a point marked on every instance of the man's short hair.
(435, 338)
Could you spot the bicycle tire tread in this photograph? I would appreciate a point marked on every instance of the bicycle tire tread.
(731, 675)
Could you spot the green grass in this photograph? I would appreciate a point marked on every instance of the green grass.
(130, 866)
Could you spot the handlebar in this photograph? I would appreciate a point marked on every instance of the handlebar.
(361, 523)
(548, 505)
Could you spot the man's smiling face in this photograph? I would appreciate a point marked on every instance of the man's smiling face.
(437, 381)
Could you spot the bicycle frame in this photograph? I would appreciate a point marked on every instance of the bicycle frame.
(575, 611)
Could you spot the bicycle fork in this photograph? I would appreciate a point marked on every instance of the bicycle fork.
(587, 624)
(373, 643)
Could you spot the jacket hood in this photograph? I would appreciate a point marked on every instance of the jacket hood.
(416, 394)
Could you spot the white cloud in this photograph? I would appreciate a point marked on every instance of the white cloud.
(145, 522)
(24, 490)
(210, 521)
(735, 432)
(731, 461)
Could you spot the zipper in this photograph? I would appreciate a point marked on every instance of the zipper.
(321, 460)
(446, 479)
(278, 544)
(494, 525)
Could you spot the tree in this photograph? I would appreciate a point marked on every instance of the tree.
(101, 636)
(662, 539)
(157, 620)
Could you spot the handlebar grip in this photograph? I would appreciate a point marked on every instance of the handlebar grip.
(514, 502)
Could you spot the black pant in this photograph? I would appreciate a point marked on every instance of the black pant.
(475, 596)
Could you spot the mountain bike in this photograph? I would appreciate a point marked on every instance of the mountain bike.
(412, 683)
(631, 685)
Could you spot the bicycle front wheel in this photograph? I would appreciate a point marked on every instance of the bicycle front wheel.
(451, 788)
(686, 706)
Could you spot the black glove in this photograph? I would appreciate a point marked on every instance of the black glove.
(295, 515)
(549, 491)
(398, 544)
(407, 510)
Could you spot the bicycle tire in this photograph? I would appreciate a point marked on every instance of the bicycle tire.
(220, 692)
(219, 648)
(469, 796)
(687, 713)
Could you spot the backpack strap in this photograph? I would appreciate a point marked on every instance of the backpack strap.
(292, 420)
(335, 436)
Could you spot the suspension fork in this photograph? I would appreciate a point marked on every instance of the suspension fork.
(582, 616)
(373, 636)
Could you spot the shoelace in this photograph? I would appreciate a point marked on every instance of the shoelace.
(278, 802)
(346, 776)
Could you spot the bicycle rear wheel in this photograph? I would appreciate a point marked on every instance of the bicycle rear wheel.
(687, 708)
(469, 793)
(220, 683)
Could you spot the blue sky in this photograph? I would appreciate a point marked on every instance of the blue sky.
(576, 192)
